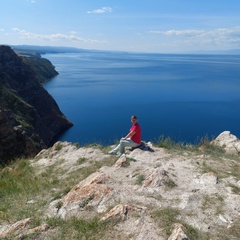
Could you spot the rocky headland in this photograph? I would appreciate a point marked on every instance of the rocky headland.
(30, 119)
(66, 191)
(149, 193)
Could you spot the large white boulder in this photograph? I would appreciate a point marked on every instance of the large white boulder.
(229, 142)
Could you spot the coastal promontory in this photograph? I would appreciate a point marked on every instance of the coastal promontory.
(30, 118)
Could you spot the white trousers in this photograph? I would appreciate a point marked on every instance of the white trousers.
(125, 143)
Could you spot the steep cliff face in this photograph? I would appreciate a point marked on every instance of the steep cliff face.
(30, 118)
(42, 67)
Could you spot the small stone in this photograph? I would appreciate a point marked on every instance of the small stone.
(178, 233)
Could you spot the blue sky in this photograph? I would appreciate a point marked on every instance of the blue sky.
(165, 26)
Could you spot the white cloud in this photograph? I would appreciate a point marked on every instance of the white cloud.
(31, 1)
(101, 10)
(179, 32)
(216, 37)
(2, 30)
(52, 37)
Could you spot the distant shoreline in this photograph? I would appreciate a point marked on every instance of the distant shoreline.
(62, 49)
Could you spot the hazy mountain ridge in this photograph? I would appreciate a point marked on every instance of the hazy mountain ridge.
(32, 49)
(40, 50)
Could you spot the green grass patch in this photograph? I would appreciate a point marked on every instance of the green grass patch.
(165, 142)
(202, 146)
(128, 162)
(140, 179)
(170, 183)
(207, 168)
(58, 147)
(214, 203)
(235, 169)
(81, 160)
(230, 233)
(24, 193)
(208, 148)
(19, 185)
(166, 218)
(77, 145)
(78, 228)
(235, 189)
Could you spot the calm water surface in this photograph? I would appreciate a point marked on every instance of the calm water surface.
(182, 96)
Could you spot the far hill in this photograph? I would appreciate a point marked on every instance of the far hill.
(32, 50)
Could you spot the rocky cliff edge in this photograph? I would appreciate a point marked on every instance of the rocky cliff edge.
(150, 193)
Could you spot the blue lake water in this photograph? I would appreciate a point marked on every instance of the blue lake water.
(184, 97)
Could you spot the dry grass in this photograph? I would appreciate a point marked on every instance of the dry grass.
(25, 193)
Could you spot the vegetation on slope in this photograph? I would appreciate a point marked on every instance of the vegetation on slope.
(42, 67)
(30, 118)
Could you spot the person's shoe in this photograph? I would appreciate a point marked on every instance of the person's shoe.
(120, 154)
(112, 152)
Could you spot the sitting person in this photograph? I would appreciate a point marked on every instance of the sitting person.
(133, 138)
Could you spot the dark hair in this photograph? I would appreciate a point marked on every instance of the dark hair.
(133, 116)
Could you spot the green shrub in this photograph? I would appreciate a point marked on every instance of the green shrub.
(58, 147)
(165, 142)
(81, 160)
(170, 183)
(140, 179)
(206, 146)
(128, 162)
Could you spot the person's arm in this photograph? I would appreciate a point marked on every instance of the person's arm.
(130, 134)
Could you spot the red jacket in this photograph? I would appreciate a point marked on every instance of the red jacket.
(138, 131)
